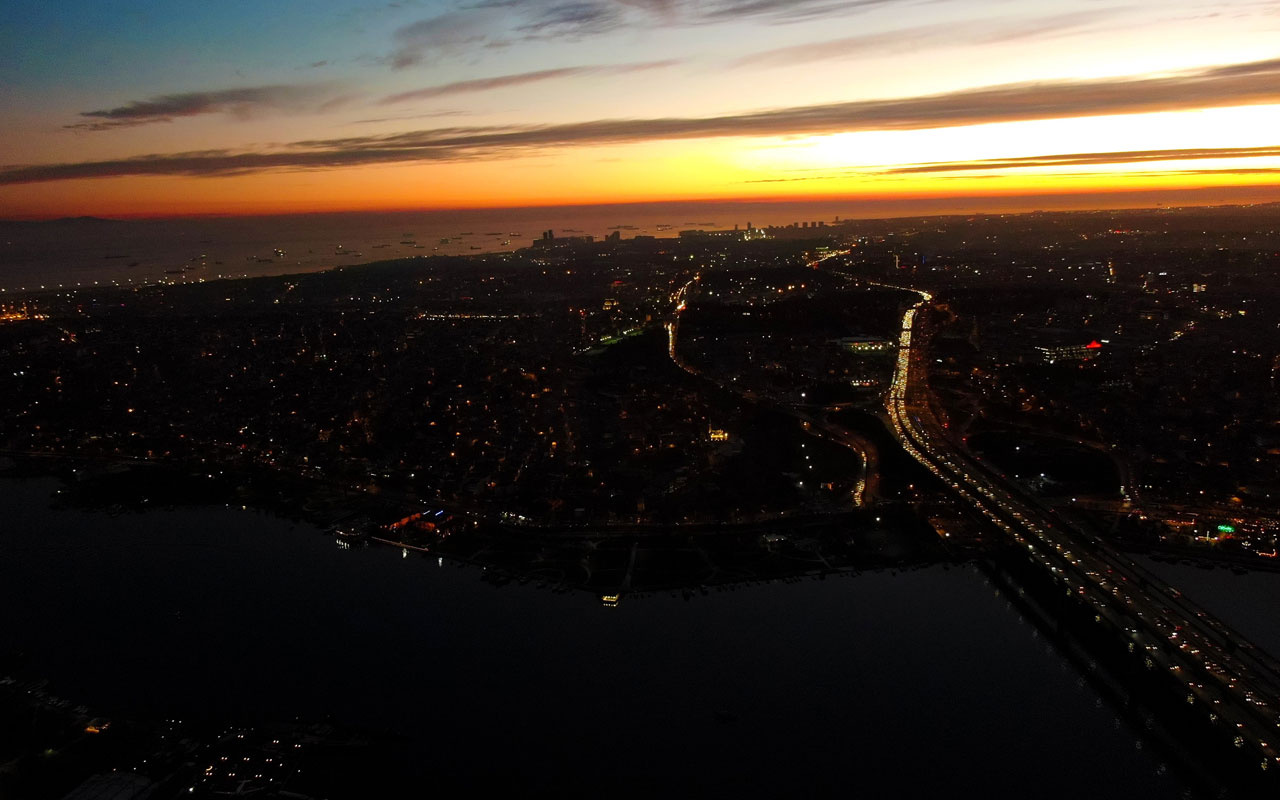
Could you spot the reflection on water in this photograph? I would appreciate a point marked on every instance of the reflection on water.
(922, 680)
(1246, 602)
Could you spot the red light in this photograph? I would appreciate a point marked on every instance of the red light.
(1094, 345)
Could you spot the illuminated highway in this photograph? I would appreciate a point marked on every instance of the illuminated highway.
(1236, 685)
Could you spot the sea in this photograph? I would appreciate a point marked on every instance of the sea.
(912, 683)
(89, 251)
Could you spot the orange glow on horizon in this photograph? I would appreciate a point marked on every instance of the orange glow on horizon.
(261, 195)
(860, 167)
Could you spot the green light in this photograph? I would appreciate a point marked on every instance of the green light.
(1226, 529)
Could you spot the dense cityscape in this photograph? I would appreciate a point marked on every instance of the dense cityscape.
(718, 407)
(1132, 353)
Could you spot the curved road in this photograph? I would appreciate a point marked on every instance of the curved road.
(866, 490)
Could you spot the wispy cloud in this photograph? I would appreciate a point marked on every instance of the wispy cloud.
(674, 12)
(778, 10)
(425, 115)
(242, 102)
(519, 79)
(847, 47)
(498, 23)
(1056, 162)
(1239, 84)
(443, 35)
(922, 36)
(1087, 159)
(572, 20)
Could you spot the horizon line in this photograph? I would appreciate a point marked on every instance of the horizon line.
(1140, 199)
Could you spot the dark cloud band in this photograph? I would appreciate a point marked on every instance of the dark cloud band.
(243, 102)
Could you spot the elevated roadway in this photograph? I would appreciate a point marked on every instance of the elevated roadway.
(1233, 683)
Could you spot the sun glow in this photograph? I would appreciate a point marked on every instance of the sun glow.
(867, 154)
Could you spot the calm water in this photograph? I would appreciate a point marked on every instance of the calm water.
(923, 681)
(71, 253)
(1247, 602)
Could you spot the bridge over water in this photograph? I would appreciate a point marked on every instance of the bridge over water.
(1231, 686)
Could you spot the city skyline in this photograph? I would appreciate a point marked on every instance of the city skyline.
(243, 110)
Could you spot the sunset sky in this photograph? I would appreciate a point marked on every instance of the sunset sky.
(145, 108)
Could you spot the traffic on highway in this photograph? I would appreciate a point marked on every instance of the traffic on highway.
(1236, 684)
